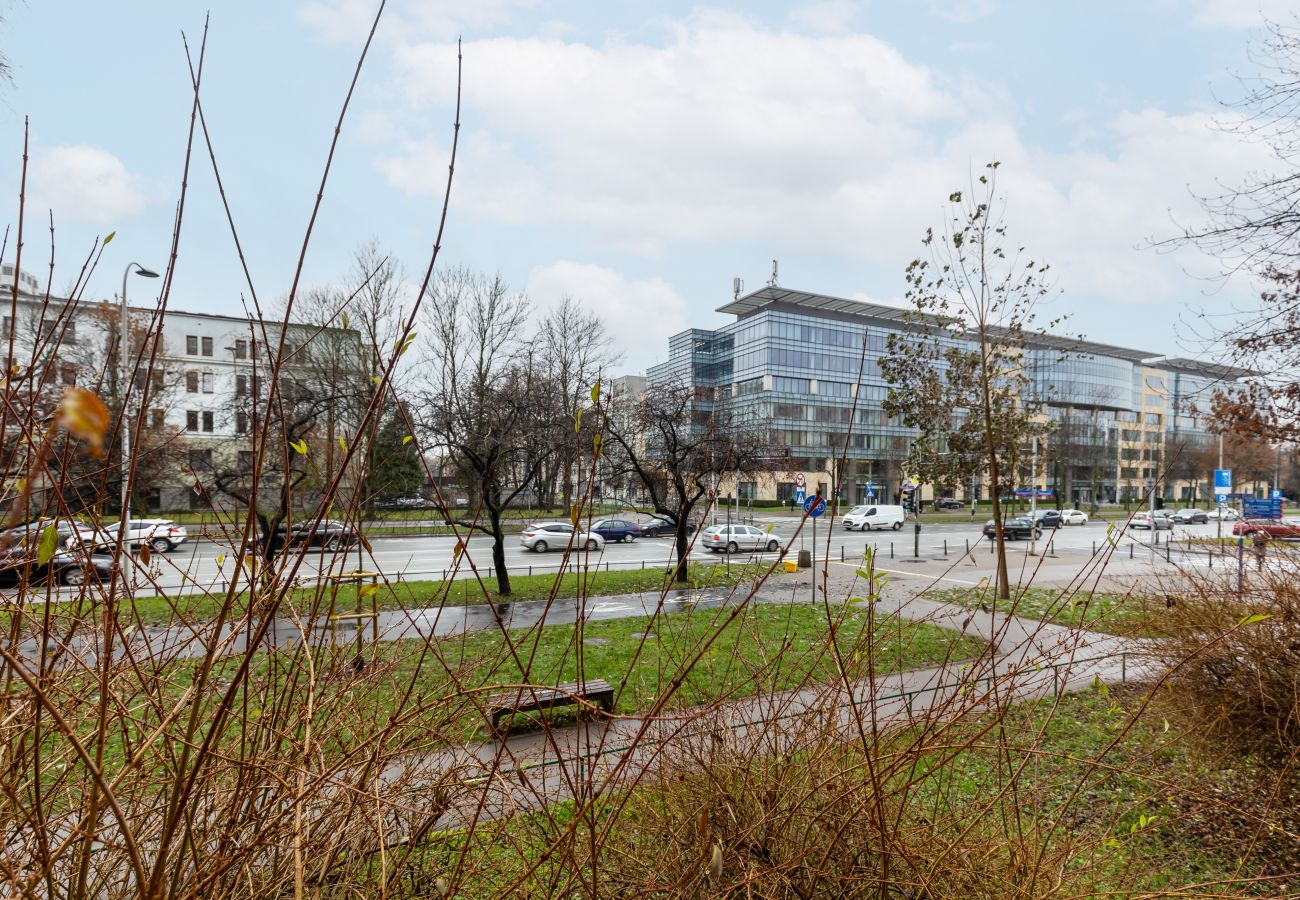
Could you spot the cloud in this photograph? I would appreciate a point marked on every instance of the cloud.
(825, 16)
(84, 184)
(641, 314)
(1245, 13)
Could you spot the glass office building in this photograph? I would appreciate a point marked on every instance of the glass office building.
(792, 359)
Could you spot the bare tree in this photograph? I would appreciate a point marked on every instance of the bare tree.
(486, 401)
(679, 449)
(962, 376)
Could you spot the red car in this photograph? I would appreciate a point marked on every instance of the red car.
(1276, 528)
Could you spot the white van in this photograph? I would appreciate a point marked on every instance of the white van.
(869, 518)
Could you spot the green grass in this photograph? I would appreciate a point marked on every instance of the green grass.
(1111, 613)
(158, 610)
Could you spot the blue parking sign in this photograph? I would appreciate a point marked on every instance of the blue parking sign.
(1223, 481)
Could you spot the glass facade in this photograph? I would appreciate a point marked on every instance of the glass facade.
(809, 366)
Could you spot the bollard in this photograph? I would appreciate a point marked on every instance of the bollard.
(968, 546)
(1094, 548)
(1130, 551)
(1211, 555)
(1123, 667)
(945, 547)
(841, 553)
(891, 549)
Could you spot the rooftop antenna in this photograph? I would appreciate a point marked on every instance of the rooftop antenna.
(737, 285)
(772, 283)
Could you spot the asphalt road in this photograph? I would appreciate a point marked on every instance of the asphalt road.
(203, 565)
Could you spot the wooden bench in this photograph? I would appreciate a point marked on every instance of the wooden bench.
(530, 699)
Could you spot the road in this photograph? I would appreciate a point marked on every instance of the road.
(206, 565)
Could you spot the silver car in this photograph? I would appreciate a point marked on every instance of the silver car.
(545, 536)
(733, 538)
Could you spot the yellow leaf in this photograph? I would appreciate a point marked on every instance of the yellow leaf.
(577, 422)
(300, 446)
(1166, 728)
(1251, 620)
(458, 550)
(406, 440)
(595, 393)
(347, 322)
(376, 379)
(368, 590)
(49, 541)
(343, 443)
(108, 238)
(146, 554)
(84, 416)
(596, 444)
(221, 557)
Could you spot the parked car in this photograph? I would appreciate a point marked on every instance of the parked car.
(1014, 529)
(544, 536)
(1074, 517)
(621, 530)
(1275, 528)
(1147, 521)
(328, 534)
(733, 538)
(162, 535)
(658, 526)
(869, 518)
(30, 532)
(1227, 513)
(21, 565)
(949, 503)
(1190, 516)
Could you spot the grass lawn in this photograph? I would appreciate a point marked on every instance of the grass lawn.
(1122, 614)
(157, 610)
(1114, 797)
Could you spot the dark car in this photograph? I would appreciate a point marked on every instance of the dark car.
(1190, 516)
(328, 534)
(616, 529)
(659, 526)
(21, 565)
(949, 503)
(1049, 518)
(1014, 529)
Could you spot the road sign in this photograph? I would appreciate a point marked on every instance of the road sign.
(1223, 481)
(814, 506)
(1277, 494)
(799, 480)
(1261, 508)
(799, 495)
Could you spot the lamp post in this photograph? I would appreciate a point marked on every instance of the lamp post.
(123, 352)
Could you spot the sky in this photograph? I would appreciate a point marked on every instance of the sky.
(636, 156)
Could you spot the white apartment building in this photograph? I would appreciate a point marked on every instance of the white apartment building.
(205, 376)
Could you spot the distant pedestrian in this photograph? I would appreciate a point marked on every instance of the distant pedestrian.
(1259, 543)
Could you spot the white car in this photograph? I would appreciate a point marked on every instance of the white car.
(733, 538)
(545, 536)
(162, 535)
(1074, 517)
(1227, 512)
(1145, 520)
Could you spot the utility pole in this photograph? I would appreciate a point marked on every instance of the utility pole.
(1217, 496)
(1033, 499)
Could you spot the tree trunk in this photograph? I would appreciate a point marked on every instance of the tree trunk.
(681, 575)
(498, 546)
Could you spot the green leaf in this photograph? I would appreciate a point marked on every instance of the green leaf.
(49, 542)
(376, 379)
(577, 422)
(596, 444)
(300, 446)
(595, 393)
(1251, 620)
(1100, 686)
(221, 558)
(108, 238)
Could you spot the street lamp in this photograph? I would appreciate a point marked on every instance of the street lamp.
(123, 352)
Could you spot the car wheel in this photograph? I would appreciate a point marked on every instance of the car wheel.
(1038, 534)
(540, 546)
(592, 545)
(897, 525)
(629, 538)
(332, 543)
(161, 545)
(772, 546)
(733, 547)
(73, 576)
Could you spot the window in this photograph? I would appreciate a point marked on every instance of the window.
(201, 460)
(207, 421)
(241, 349)
(209, 382)
(8, 325)
(156, 418)
(245, 462)
(746, 490)
(241, 385)
(191, 420)
(785, 491)
(192, 345)
(68, 374)
(207, 346)
(241, 422)
(191, 382)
